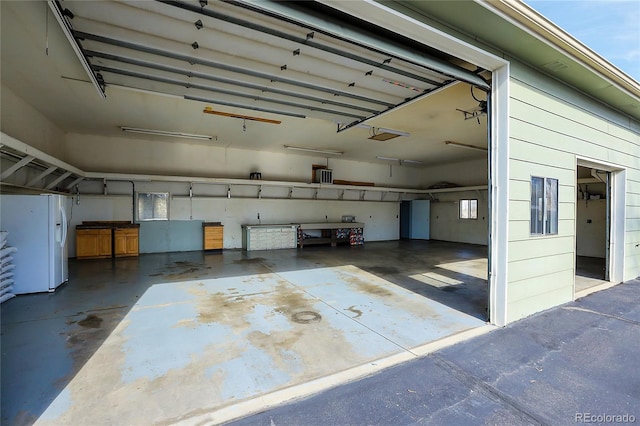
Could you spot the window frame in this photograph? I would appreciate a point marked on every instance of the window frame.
(154, 218)
(548, 225)
(469, 200)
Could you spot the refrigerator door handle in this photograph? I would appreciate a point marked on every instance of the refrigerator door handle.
(64, 227)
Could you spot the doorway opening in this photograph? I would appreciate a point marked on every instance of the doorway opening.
(594, 206)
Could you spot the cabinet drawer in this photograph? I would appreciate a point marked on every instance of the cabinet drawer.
(213, 237)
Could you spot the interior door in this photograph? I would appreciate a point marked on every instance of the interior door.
(405, 219)
(420, 217)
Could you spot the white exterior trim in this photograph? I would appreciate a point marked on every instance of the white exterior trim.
(618, 215)
(399, 23)
(498, 278)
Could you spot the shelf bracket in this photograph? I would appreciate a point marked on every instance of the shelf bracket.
(17, 166)
(362, 194)
(191, 190)
(315, 194)
(228, 191)
(291, 192)
(260, 192)
(42, 175)
(58, 180)
(104, 187)
(341, 196)
(75, 182)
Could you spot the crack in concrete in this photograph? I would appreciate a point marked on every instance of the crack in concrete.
(474, 383)
(576, 308)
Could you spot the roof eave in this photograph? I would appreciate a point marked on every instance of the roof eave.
(526, 18)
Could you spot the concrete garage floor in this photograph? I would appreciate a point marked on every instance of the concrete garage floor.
(590, 275)
(165, 338)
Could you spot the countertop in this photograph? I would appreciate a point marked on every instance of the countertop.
(331, 225)
(314, 225)
(107, 225)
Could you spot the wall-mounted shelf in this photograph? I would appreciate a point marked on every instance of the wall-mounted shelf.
(56, 173)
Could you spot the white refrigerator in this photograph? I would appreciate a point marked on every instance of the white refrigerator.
(37, 226)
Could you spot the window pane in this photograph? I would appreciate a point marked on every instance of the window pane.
(153, 206)
(464, 209)
(551, 205)
(473, 209)
(537, 209)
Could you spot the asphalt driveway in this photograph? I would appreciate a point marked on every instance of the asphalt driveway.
(577, 363)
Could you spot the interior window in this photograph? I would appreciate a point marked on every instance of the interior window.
(468, 209)
(153, 206)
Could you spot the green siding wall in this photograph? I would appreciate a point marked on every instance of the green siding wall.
(550, 125)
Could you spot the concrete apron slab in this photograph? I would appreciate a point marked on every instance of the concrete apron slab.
(216, 349)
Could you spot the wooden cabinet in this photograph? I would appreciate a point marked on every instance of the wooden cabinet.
(212, 236)
(93, 243)
(125, 241)
(97, 240)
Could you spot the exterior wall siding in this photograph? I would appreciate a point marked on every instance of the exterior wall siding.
(552, 125)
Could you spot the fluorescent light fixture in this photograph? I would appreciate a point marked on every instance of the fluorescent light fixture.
(393, 132)
(166, 133)
(399, 160)
(319, 151)
(464, 145)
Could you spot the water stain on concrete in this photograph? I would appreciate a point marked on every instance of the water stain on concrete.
(353, 309)
(249, 260)
(383, 270)
(91, 321)
(366, 286)
(306, 317)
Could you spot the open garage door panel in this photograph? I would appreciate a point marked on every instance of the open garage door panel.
(287, 59)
